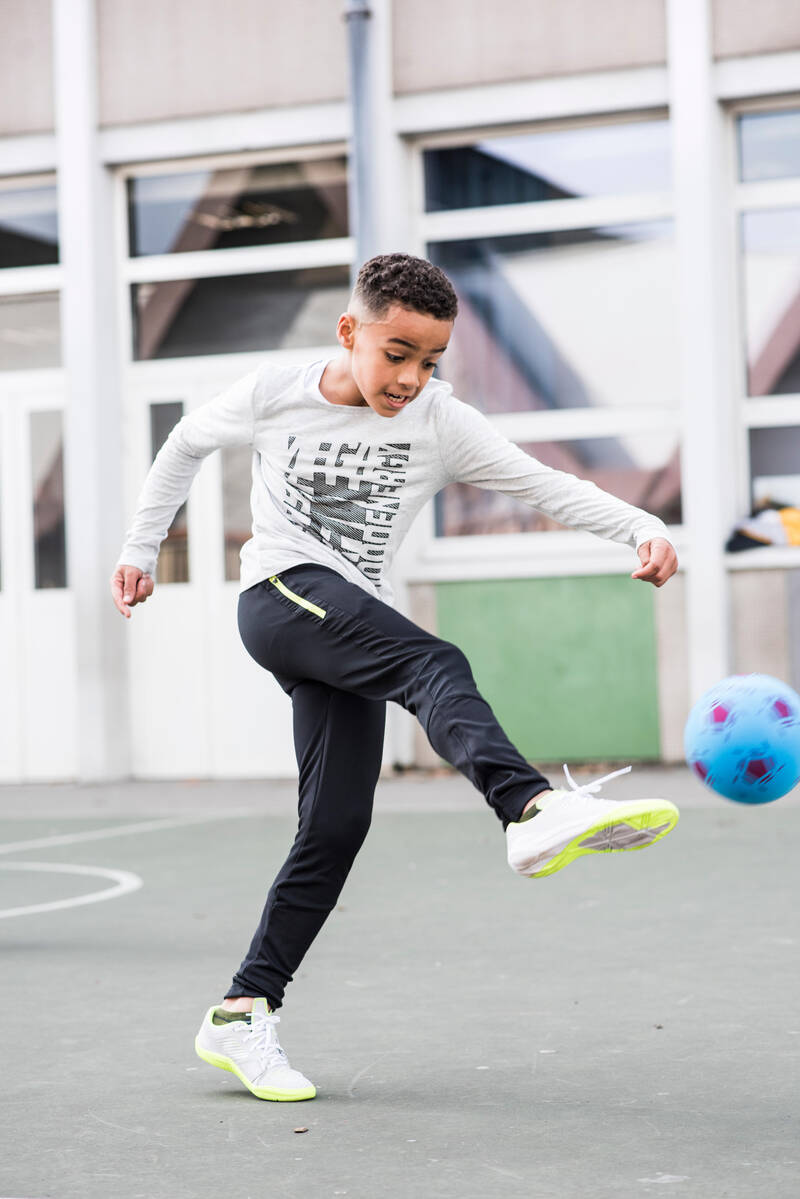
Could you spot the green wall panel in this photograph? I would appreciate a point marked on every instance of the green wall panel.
(568, 664)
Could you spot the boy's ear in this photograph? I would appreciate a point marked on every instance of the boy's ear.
(345, 330)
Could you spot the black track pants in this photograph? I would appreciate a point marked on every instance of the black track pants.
(340, 654)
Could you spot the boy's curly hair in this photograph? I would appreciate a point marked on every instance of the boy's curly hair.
(403, 279)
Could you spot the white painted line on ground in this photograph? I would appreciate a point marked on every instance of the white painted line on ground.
(124, 881)
(120, 830)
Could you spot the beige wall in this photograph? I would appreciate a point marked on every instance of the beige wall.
(191, 57)
(454, 43)
(26, 87)
(762, 624)
(755, 26)
(672, 641)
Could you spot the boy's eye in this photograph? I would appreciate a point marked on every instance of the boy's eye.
(393, 357)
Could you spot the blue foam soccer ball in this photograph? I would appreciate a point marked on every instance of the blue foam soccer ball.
(742, 738)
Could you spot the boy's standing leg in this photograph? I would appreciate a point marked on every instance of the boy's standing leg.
(339, 745)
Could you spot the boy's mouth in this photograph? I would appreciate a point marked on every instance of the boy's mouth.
(395, 401)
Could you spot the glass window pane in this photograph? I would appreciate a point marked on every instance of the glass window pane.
(276, 310)
(30, 332)
(237, 519)
(244, 206)
(775, 466)
(643, 469)
(28, 225)
(173, 558)
(47, 475)
(771, 246)
(769, 145)
(575, 319)
(553, 165)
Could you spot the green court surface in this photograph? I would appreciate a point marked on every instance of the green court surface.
(628, 1027)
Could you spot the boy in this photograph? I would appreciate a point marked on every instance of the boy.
(346, 452)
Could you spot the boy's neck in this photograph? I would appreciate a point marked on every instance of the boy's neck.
(337, 384)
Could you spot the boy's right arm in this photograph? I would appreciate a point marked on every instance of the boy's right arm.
(227, 420)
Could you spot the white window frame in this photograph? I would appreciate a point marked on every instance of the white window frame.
(36, 388)
(30, 280)
(536, 554)
(766, 411)
(147, 381)
(205, 264)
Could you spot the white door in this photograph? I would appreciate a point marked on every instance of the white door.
(200, 706)
(38, 680)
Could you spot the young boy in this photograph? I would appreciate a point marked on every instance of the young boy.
(346, 452)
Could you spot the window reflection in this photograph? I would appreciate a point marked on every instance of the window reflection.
(552, 165)
(775, 466)
(30, 332)
(769, 145)
(28, 225)
(643, 470)
(771, 244)
(47, 476)
(244, 206)
(574, 319)
(173, 558)
(271, 311)
(237, 518)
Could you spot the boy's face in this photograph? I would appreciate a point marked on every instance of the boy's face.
(392, 358)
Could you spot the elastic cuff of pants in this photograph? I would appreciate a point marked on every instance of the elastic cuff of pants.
(239, 992)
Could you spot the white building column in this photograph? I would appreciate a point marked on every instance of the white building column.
(707, 329)
(93, 415)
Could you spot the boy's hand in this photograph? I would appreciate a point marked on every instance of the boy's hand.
(130, 586)
(659, 562)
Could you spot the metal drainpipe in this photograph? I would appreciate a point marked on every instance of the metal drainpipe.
(363, 223)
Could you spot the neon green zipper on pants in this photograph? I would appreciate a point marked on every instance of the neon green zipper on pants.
(297, 599)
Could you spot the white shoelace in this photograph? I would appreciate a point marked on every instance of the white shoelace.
(589, 789)
(264, 1040)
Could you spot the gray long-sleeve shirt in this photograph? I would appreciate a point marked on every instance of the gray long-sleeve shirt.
(340, 485)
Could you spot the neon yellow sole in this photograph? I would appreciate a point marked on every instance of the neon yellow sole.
(638, 826)
(225, 1063)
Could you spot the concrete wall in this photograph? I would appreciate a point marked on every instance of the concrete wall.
(453, 43)
(755, 26)
(569, 665)
(766, 623)
(624, 652)
(26, 85)
(193, 57)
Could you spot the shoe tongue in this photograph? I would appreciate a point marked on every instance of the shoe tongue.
(544, 801)
(261, 1007)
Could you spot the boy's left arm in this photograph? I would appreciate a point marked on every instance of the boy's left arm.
(474, 452)
(659, 561)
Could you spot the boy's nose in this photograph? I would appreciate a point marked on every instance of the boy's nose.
(408, 378)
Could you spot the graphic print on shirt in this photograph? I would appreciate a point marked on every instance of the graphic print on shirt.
(348, 498)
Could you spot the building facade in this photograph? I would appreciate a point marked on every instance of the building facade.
(614, 190)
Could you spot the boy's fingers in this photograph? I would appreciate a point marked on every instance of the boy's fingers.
(131, 576)
(659, 562)
(144, 587)
(130, 586)
(117, 588)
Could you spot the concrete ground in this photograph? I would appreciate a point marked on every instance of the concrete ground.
(628, 1027)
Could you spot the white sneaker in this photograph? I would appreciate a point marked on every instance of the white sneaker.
(249, 1049)
(578, 821)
